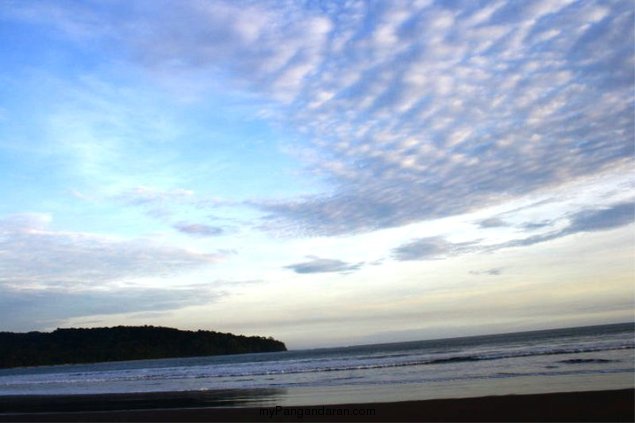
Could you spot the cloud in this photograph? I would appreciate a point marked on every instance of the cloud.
(430, 248)
(197, 229)
(422, 249)
(593, 220)
(321, 265)
(142, 195)
(413, 110)
(29, 309)
(403, 114)
(164, 202)
(530, 226)
(600, 219)
(25, 222)
(35, 257)
(492, 222)
(497, 222)
(489, 272)
(271, 47)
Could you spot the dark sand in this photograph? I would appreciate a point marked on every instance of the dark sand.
(615, 405)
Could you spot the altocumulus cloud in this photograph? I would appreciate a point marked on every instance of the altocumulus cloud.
(431, 109)
(322, 265)
(415, 110)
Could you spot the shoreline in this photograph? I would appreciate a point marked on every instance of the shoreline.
(605, 405)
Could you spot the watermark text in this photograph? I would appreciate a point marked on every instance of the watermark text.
(301, 412)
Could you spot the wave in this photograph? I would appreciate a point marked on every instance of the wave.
(385, 365)
(431, 361)
(459, 359)
(317, 366)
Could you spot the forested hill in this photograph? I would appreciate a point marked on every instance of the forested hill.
(67, 346)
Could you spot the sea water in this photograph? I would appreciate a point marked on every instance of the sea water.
(572, 359)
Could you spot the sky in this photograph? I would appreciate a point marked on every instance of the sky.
(323, 172)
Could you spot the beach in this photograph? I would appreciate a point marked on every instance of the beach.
(572, 374)
(607, 405)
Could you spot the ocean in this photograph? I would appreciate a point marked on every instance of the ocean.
(572, 359)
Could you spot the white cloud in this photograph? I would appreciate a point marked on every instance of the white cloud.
(34, 309)
(36, 257)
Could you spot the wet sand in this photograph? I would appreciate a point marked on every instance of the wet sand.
(612, 405)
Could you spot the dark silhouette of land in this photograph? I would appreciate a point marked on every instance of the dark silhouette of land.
(71, 346)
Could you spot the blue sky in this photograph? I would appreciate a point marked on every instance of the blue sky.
(323, 172)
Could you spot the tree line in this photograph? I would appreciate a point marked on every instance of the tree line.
(76, 345)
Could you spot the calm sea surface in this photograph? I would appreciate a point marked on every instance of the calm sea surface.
(574, 359)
